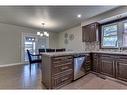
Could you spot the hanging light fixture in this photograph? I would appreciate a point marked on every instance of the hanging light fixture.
(44, 33)
(38, 33)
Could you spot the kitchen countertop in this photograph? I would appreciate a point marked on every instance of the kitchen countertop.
(77, 52)
(64, 53)
(111, 52)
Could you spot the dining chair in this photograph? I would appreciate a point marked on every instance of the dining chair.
(50, 50)
(60, 50)
(34, 58)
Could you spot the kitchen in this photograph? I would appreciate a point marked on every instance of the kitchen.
(82, 49)
(104, 55)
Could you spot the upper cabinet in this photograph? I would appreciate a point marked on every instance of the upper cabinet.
(90, 32)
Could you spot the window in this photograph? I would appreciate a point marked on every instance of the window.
(109, 35)
(125, 35)
(114, 35)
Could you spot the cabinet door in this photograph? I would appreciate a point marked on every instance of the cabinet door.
(88, 63)
(85, 33)
(107, 66)
(121, 69)
(93, 28)
(89, 32)
(95, 63)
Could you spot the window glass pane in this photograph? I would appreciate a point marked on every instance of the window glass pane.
(110, 41)
(124, 40)
(110, 30)
(125, 27)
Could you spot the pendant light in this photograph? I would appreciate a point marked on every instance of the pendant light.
(44, 33)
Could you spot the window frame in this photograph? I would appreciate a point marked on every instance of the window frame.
(102, 35)
(122, 32)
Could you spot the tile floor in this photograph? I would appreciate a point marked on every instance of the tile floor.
(19, 77)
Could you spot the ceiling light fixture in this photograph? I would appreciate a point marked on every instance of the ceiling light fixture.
(44, 32)
(79, 15)
(41, 34)
(29, 39)
(38, 33)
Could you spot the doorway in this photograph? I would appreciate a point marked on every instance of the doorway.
(32, 42)
(29, 43)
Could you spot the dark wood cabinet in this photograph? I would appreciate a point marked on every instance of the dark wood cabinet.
(87, 63)
(94, 62)
(57, 70)
(107, 66)
(110, 65)
(121, 69)
(89, 32)
(62, 79)
(62, 71)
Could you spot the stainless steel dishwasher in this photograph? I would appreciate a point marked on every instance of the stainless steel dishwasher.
(79, 66)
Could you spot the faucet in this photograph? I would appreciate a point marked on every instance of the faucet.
(120, 49)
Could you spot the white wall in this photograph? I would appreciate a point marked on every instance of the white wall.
(77, 43)
(10, 42)
(53, 40)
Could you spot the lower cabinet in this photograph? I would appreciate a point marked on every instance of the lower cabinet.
(107, 66)
(61, 70)
(111, 65)
(62, 79)
(95, 63)
(88, 63)
(121, 69)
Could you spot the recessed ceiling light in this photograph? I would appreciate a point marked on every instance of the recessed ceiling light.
(79, 15)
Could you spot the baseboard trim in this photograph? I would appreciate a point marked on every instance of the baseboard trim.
(13, 64)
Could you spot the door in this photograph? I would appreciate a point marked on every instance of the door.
(85, 33)
(121, 69)
(107, 66)
(93, 32)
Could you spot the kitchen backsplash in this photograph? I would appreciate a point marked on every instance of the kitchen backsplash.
(91, 46)
(96, 46)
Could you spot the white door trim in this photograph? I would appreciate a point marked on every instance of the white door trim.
(22, 44)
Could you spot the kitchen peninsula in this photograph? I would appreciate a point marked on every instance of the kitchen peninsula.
(58, 67)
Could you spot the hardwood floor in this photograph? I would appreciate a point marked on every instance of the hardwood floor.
(19, 77)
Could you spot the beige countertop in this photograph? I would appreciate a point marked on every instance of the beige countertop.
(111, 52)
(64, 53)
(77, 52)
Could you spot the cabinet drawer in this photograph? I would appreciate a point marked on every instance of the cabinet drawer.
(88, 63)
(122, 57)
(87, 68)
(62, 79)
(57, 69)
(107, 56)
(61, 63)
(61, 58)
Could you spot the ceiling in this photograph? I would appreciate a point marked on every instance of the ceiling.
(56, 18)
